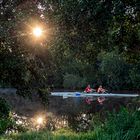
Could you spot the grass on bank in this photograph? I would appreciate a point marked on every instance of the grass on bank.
(124, 125)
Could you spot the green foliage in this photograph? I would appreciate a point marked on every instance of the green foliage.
(81, 38)
(135, 77)
(20, 64)
(5, 124)
(4, 108)
(73, 81)
(114, 69)
(96, 122)
(123, 125)
(77, 29)
(5, 119)
(43, 94)
(4, 115)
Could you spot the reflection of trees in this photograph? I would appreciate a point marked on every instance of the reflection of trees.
(55, 122)
(79, 116)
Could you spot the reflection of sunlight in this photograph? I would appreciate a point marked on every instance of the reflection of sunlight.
(40, 120)
(19, 122)
(83, 115)
(42, 16)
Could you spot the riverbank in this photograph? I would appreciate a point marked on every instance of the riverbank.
(124, 125)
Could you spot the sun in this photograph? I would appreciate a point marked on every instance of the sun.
(37, 31)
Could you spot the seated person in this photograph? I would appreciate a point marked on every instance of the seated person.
(88, 89)
(101, 90)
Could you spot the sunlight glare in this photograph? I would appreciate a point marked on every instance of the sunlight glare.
(40, 120)
(37, 32)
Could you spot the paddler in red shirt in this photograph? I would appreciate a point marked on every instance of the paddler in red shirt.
(88, 90)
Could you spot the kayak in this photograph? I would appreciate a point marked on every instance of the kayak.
(93, 94)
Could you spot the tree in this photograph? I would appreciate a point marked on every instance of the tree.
(20, 65)
(78, 29)
(114, 69)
